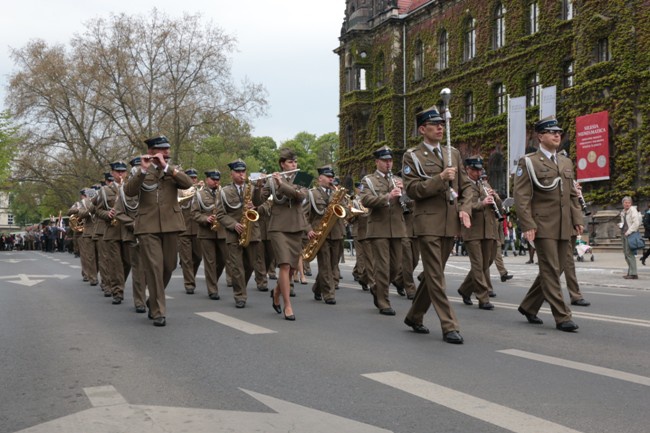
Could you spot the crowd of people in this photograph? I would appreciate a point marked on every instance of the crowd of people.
(47, 238)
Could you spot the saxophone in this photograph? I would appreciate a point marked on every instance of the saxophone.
(249, 216)
(215, 223)
(333, 211)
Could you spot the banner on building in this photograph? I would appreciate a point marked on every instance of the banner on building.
(592, 147)
(547, 106)
(516, 131)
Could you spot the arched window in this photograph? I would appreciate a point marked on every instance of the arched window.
(418, 61)
(499, 30)
(469, 39)
(443, 50)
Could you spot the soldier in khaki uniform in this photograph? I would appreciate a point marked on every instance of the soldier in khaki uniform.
(405, 283)
(79, 243)
(212, 235)
(235, 200)
(89, 246)
(480, 239)
(265, 265)
(189, 247)
(98, 236)
(116, 251)
(363, 268)
(328, 255)
(442, 193)
(158, 221)
(548, 211)
(386, 228)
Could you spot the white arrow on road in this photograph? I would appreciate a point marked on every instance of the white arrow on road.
(111, 413)
(17, 260)
(24, 280)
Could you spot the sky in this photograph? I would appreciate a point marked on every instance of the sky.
(286, 45)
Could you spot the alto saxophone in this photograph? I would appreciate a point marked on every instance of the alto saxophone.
(215, 223)
(249, 216)
(333, 211)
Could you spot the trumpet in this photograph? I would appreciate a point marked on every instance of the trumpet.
(187, 194)
(254, 177)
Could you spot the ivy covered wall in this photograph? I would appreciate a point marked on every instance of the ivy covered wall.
(386, 51)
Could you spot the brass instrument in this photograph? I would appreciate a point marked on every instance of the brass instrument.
(215, 224)
(333, 211)
(186, 194)
(355, 208)
(249, 216)
(76, 224)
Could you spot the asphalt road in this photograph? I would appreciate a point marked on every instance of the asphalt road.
(70, 361)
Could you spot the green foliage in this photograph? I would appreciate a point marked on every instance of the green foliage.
(9, 139)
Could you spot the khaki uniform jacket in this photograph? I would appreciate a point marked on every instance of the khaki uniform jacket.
(191, 226)
(87, 215)
(205, 204)
(286, 213)
(386, 219)
(100, 223)
(230, 211)
(552, 213)
(433, 215)
(317, 204)
(112, 192)
(126, 217)
(265, 215)
(158, 211)
(485, 225)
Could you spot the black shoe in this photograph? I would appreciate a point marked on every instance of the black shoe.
(308, 274)
(529, 262)
(93, 283)
(148, 309)
(263, 289)
(530, 317)
(486, 306)
(387, 311)
(277, 308)
(273, 277)
(330, 301)
(291, 318)
(214, 296)
(581, 303)
(117, 300)
(229, 284)
(189, 291)
(466, 299)
(400, 289)
(140, 309)
(364, 286)
(107, 294)
(505, 277)
(318, 296)
(410, 297)
(159, 321)
(453, 337)
(417, 328)
(85, 279)
(491, 294)
(240, 304)
(292, 293)
(567, 326)
(642, 260)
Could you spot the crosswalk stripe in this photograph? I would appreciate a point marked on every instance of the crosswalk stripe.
(237, 324)
(469, 405)
(621, 375)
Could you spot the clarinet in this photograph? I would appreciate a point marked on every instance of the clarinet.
(402, 199)
(581, 199)
(495, 207)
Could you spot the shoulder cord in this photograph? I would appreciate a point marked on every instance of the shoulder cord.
(313, 204)
(124, 202)
(202, 205)
(223, 200)
(371, 186)
(148, 188)
(533, 178)
(105, 199)
(276, 200)
(418, 166)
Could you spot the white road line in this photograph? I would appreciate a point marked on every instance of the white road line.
(101, 396)
(607, 294)
(469, 405)
(628, 377)
(237, 324)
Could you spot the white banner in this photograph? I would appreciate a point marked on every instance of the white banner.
(547, 106)
(516, 131)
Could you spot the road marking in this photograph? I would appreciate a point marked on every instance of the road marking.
(504, 417)
(237, 324)
(101, 396)
(628, 377)
(608, 294)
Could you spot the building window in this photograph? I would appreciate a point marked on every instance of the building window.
(10, 219)
(568, 75)
(499, 36)
(469, 39)
(567, 9)
(349, 137)
(443, 50)
(602, 50)
(500, 99)
(418, 61)
(381, 136)
(469, 107)
(533, 16)
(533, 90)
(380, 70)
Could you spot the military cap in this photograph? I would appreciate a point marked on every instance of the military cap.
(135, 161)
(97, 187)
(287, 154)
(160, 142)
(358, 184)
(82, 192)
(237, 165)
(118, 166)
(326, 170)
(109, 176)
(192, 172)
(429, 115)
(547, 124)
(475, 162)
(213, 174)
(383, 153)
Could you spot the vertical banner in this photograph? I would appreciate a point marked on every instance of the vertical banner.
(516, 131)
(592, 147)
(547, 106)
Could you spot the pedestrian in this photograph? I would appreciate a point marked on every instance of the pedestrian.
(509, 233)
(646, 233)
(630, 223)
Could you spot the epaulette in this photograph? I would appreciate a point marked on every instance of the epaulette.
(531, 154)
(412, 149)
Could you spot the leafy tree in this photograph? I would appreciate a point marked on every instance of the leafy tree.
(9, 139)
(265, 151)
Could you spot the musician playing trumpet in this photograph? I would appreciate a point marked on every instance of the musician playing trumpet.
(189, 247)
(235, 212)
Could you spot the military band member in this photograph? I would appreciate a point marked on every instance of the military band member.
(212, 235)
(265, 266)
(386, 228)
(548, 211)
(189, 247)
(328, 255)
(89, 257)
(236, 199)
(116, 251)
(158, 220)
(481, 238)
(74, 210)
(363, 267)
(441, 191)
(286, 226)
(98, 236)
(405, 283)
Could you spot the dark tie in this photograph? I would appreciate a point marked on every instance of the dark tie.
(553, 159)
(436, 150)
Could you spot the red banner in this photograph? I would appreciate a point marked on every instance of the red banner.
(592, 147)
